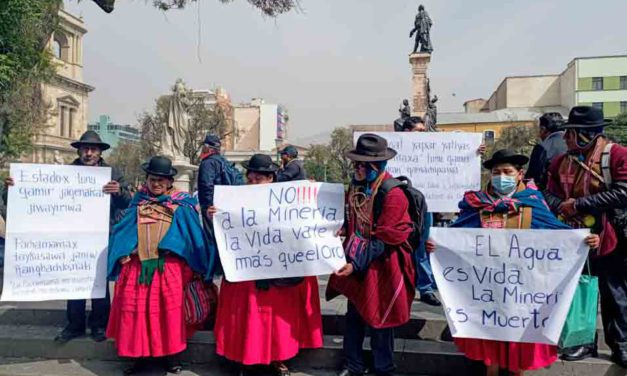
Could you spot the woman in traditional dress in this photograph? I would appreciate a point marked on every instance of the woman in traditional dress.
(266, 322)
(508, 202)
(154, 253)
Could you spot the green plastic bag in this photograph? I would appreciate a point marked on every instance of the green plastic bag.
(581, 323)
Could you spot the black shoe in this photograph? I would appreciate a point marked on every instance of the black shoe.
(98, 335)
(620, 358)
(137, 366)
(347, 372)
(579, 353)
(67, 335)
(173, 365)
(430, 299)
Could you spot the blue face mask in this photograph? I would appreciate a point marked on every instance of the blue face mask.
(504, 184)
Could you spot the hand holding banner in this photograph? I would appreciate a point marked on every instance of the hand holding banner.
(279, 230)
(507, 285)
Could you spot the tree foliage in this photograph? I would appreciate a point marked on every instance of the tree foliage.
(25, 63)
(618, 130)
(127, 156)
(328, 162)
(270, 8)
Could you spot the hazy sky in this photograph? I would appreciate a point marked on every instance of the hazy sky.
(334, 62)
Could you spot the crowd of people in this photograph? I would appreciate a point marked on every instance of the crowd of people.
(162, 241)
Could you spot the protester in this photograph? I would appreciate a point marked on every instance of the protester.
(552, 145)
(153, 254)
(425, 282)
(378, 279)
(291, 168)
(89, 148)
(590, 191)
(266, 322)
(507, 202)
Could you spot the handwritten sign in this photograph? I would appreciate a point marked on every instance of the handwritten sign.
(508, 285)
(57, 233)
(442, 165)
(279, 230)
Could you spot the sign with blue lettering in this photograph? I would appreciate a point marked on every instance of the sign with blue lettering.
(279, 230)
(507, 285)
(57, 233)
(441, 165)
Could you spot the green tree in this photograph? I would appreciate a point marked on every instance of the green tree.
(618, 130)
(127, 156)
(25, 63)
(271, 8)
(328, 162)
(317, 162)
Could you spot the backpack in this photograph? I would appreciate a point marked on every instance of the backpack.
(618, 216)
(417, 205)
(230, 175)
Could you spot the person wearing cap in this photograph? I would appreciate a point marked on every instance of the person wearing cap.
(89, 149)
(291, 168)
(507, 203)
(588, 189)
(267, 322)
(552, 145)
(378, 279)
(154, 252)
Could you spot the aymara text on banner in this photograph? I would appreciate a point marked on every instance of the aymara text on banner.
(507, 285)
(279, 230)
(57, 233)
(442, 165)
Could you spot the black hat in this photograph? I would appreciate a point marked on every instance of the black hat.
(585, 117)
(371, 148)
(551, 121)
(159, 166)
(212, 140)
(410, 122)
(505, 156)
(260, 163)
(90, 138)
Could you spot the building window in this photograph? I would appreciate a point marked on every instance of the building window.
(597, 83)
(61, 120)
(623, 107)
(488, 137)
(61, 46)
(598, 105)
(623, 82)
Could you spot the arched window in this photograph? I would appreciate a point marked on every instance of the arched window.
(61, 46)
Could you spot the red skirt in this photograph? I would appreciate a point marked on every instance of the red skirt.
(148, 320)
(513, 356)
(258, 327)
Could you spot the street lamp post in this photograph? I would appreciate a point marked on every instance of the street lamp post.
(278, 142)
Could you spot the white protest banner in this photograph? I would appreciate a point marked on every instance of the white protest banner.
(507, 285)
(57, 233)
(279, 230)
(442, 165)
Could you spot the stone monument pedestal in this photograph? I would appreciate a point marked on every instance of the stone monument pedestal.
(186, 172)
(419, 64)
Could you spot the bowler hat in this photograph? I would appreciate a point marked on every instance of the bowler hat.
(371, 148)
(159, 166)
(505, 156)
(90, 138)
(260, 163)
(585, 117)
(212, 140)
(290, 151)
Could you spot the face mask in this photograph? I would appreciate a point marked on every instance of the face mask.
(504, 184)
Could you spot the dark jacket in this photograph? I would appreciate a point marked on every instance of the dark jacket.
(209, 175)
(541, 157)
(120, 201)
(294, 170)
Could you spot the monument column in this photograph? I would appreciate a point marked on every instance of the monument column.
(419, 64)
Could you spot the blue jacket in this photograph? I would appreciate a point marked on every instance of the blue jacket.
(294, 170)
(209, 175)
